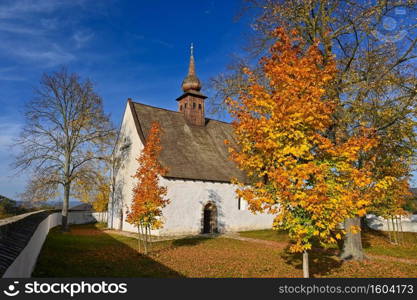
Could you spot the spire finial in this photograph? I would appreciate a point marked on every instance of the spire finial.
(191, 68)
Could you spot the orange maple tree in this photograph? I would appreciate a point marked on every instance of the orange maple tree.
(297, 172)
(148, 197)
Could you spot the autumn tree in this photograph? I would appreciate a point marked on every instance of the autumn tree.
(281, 122)
(375, 85)
(65, 130)
(94, 190)
(148, 196)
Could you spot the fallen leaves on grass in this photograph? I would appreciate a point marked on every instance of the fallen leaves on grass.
(88, 252)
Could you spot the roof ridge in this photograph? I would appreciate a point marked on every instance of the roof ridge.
(161, 108)
(178, 112)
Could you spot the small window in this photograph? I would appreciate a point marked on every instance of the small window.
(193, 105)
(239, 203)
(199, 106)
(125, 145)
(180, 107)
(185, 105)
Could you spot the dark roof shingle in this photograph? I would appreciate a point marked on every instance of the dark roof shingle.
(190, 152)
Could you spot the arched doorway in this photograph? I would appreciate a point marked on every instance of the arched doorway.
(210, 218)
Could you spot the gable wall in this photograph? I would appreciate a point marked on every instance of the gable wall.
(124, 180)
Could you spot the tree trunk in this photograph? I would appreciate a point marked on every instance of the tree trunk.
(121, 219)
(145, 243)
(150, 238)
(65, 204)
(394, 231)
(138, 239)
(388, 228)
(352, 246)
(306, 273)
(112, 210)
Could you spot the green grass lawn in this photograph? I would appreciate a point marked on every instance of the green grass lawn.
(87, 251)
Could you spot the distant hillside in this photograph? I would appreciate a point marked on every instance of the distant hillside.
(9, 207)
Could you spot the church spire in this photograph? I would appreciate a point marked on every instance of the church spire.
(191, 103)
(191, 82)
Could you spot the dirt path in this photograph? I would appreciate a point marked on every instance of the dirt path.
(236, 236)
(282, 245)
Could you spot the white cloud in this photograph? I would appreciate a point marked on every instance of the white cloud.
(10, 182)
(9, 130)
(81, 37)
(51, 55)
(163, 43)
(18, 29)
(50, 23)
(9, 74)
(20, 8)
(30, 34)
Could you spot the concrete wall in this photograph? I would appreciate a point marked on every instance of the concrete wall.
(184, 214)
(25, 262)
(408, 223)
(81, 217)
(100, 216)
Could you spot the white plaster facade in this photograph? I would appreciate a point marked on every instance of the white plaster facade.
(184, 213)
(408, 223)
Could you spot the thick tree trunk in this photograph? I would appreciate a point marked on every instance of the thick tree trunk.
(121, 219)
(352, 246)
(65, 204)
(306, 273)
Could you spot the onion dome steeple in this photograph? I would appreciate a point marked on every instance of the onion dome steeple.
(191, 82)
(191, 102)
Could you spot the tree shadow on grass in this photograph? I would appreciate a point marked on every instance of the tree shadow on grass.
(321, 261)
(368, 233)
(88, 252)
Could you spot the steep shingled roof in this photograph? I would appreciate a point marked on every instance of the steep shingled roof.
(190, 152)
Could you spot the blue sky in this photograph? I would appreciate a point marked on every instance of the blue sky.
(128, 48)
(137, 49)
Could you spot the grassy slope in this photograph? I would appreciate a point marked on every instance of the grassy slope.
(89, 252)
